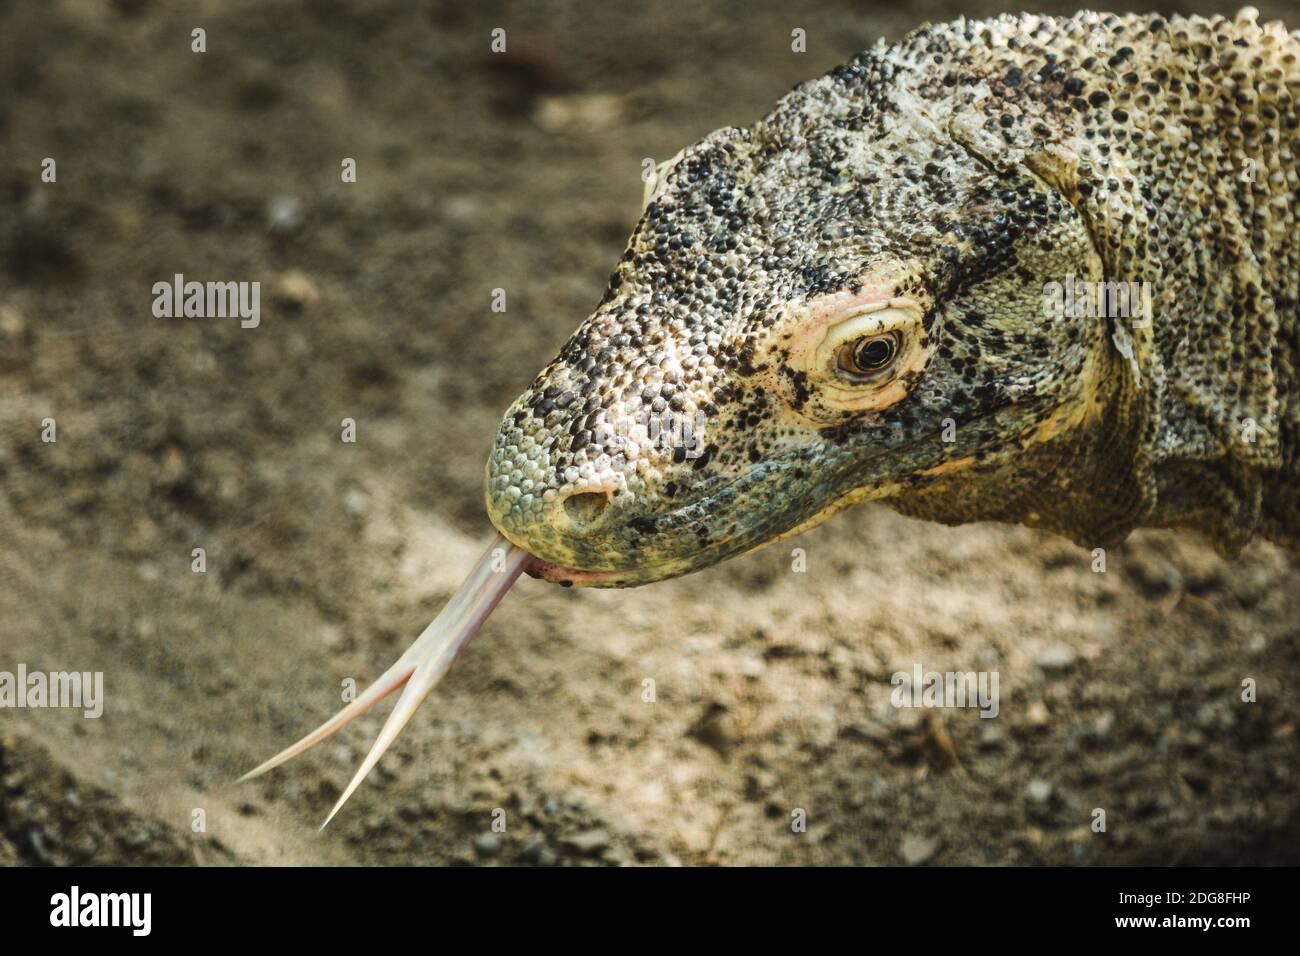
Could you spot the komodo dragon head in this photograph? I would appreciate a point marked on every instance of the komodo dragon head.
(842, 303)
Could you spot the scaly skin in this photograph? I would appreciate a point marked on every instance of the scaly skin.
(848, 298)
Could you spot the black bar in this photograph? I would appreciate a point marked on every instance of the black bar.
(300, 906)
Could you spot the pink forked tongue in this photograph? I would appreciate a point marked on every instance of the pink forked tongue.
(424, 663)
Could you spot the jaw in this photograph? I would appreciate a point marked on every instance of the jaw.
(748, 507)
(698, 561)
(647, 573)
(575, 577)
(661, 556)
(652, 543)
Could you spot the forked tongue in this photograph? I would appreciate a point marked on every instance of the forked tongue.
(424, 663)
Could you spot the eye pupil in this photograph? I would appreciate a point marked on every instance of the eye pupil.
(869, 356)
(867, 360)
(873, 354)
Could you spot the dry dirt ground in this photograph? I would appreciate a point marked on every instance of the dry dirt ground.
(1120, 690)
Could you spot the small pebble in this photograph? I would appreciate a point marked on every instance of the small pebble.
(283, 213)
(1056, 657)
(355, 502)
(295, 288)
(918, 849)
(1038, 714)
(37, 843)
(587, 842)
(1038, 791)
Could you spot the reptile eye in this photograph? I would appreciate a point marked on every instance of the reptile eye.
(869, 356)
(852, 351)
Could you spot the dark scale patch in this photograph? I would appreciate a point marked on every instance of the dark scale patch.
(799, 382)
(644, 524)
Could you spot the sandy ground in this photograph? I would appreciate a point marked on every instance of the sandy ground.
(1119, 690)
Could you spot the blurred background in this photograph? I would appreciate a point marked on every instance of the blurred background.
(518, 171)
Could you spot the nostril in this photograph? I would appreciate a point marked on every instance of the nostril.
(585, 507)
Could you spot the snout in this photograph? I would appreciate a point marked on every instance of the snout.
(572, 534)
(614, 522)
(565, 516)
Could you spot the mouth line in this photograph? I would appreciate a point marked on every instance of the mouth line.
(568, 577)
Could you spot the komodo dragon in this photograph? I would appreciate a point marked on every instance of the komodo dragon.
(847, 302)
(859, 298)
